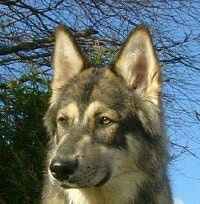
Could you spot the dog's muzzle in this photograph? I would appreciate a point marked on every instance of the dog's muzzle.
(69, 174)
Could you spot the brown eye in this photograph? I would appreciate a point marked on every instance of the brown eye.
(105, 120)
(62, 120)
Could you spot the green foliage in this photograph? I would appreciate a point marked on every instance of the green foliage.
(102, 55)
(22, 143)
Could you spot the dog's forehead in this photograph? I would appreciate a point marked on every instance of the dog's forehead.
(80, 88)
(94, 84)
(72, 110)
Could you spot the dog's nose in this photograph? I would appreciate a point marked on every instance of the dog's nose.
(62, 169)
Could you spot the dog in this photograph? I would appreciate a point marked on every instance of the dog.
(107, 135)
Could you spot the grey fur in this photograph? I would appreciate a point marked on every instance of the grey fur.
(107, 123)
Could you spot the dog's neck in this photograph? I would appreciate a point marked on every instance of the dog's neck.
(96, 196)
(117, 191)
(121, 191)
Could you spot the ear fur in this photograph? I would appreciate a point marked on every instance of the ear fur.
(137, 63)
(68, 60)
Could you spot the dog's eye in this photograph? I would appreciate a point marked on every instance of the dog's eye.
(105, 120)
(62, 120)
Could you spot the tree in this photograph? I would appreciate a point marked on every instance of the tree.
(22, 144)
(26, 43)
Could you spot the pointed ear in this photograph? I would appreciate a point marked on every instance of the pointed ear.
(138, 65)
(68, 60)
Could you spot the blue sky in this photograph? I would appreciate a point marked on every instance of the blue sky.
(186, 182)
(185, 170)
(185, 176)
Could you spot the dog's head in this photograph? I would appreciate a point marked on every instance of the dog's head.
(106, 121)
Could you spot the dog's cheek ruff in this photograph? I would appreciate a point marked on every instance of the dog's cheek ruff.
(50, 121)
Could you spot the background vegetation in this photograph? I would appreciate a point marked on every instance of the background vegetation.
(26, 43)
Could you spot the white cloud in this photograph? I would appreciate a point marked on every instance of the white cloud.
(178, 201)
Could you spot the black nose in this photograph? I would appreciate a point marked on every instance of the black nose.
(62, 169)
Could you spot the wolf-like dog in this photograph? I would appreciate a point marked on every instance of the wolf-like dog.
(108, 142)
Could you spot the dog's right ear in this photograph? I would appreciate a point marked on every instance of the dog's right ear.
(68, 60)
(138, 65)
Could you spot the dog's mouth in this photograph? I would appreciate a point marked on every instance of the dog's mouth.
(84, 183)
(104, 180)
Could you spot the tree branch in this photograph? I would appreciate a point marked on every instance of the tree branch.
(26, 46)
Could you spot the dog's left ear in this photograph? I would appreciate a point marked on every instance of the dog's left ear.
(68, 60)
(138, 65)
